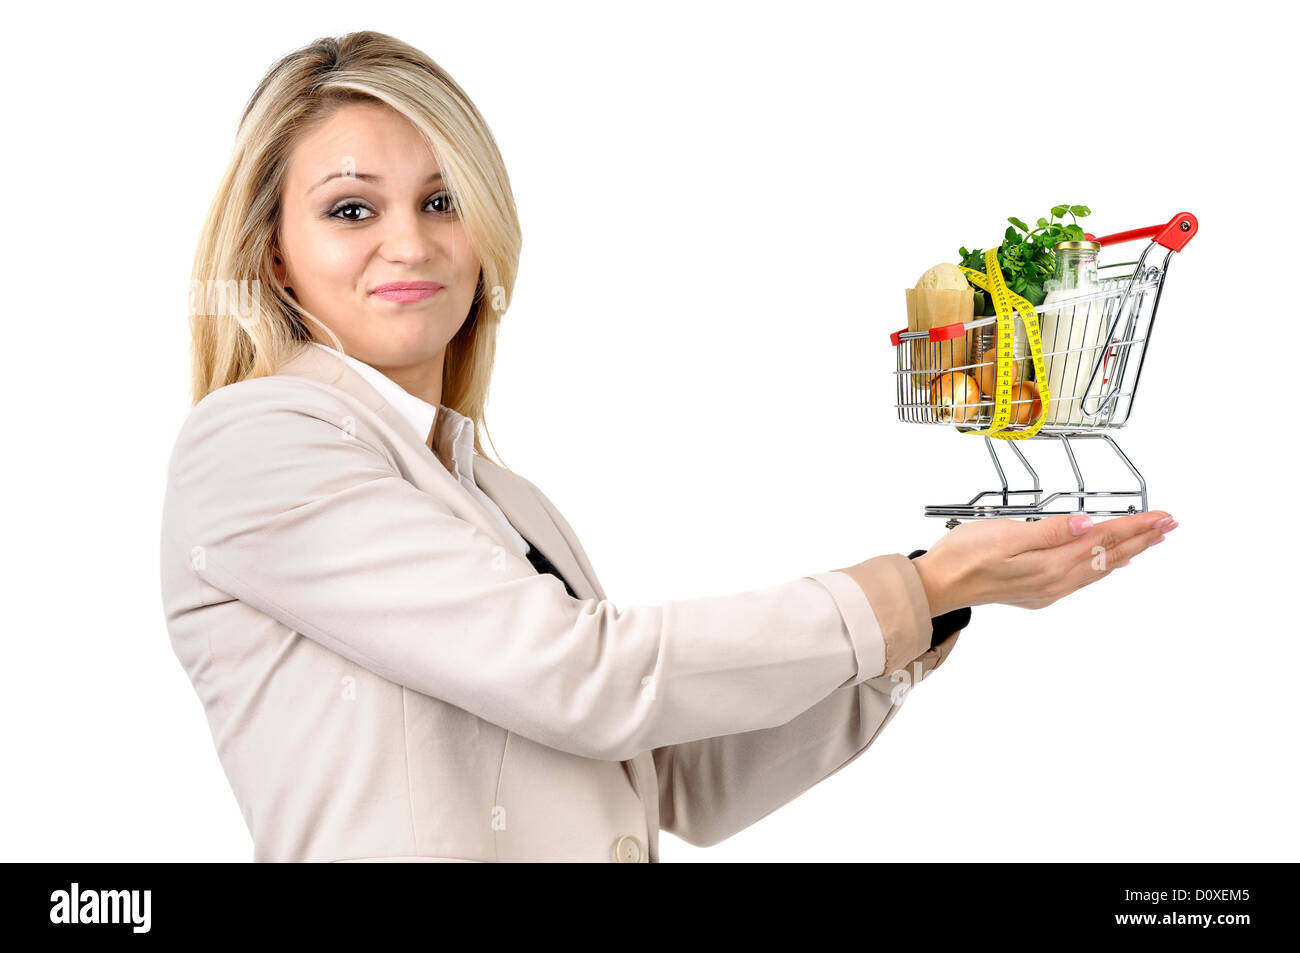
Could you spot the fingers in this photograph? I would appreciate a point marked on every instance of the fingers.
(1055, 530)
(1046, 533)
(1116, 530)
(1113, 533)
(1117, 553)
(1123, 554)
(1110, 546)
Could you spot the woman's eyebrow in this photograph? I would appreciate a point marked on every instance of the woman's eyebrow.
(365, 177)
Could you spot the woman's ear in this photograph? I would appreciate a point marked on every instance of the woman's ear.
(281, 274)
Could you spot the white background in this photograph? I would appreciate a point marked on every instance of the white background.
(722, 205)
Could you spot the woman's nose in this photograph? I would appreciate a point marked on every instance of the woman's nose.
(408, 239)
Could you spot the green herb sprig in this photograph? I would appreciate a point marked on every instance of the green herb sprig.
(1027, 260)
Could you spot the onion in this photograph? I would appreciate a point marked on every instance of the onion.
(948, 392)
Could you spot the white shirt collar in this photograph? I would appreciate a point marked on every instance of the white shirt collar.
(455, 431)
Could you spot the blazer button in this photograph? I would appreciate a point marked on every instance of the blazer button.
(628, 850)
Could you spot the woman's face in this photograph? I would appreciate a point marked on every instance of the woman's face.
(363, 206)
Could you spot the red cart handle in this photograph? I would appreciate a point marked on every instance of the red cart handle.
(1173, 236)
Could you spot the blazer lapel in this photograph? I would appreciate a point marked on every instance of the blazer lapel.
(527, 515)
(517, 501)
(426, 471)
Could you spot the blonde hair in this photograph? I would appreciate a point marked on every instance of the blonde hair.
(239, 240)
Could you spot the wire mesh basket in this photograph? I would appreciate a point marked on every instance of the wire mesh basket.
(1094, 347)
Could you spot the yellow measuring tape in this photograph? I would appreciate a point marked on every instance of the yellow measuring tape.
(1005, 302)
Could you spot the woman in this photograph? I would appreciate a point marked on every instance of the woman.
(401, 647)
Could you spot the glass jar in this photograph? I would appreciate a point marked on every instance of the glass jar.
(1071, 335)
(1076, 268)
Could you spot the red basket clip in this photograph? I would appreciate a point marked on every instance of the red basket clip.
(945, 333)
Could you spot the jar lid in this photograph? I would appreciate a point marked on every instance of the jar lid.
(1077, 246)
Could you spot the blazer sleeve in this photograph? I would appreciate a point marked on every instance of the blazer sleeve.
(288, 501)
(712, 788)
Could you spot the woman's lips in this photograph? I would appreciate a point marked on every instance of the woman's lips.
(407, 291)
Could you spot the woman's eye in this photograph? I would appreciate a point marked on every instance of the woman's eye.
(334, 212)
(445, 198)
(339, 211)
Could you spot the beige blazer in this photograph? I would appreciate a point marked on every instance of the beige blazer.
(385, 679)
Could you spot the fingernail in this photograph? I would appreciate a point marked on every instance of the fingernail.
(1173, 526)
(1164, 524)
(1158, 541)
(1080, 525)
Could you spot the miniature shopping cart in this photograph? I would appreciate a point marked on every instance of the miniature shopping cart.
(1093, 349)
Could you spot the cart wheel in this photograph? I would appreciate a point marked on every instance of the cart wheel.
(951, 523)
